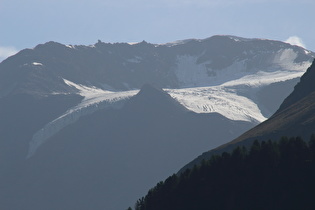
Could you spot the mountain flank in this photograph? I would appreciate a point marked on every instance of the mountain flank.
(295, 117)
(108, 159)
(275, 175)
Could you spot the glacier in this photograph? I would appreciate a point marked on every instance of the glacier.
(201, 90)
(94, 99)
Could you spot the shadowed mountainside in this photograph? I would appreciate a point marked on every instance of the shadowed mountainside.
(108, 159)
(295, 117)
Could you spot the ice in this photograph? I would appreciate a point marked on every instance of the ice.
(94, 99)
(218, 99)
(205, 90)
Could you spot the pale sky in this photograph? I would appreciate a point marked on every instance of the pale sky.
(27, 23)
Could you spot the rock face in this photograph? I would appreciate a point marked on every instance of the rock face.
(295, 117)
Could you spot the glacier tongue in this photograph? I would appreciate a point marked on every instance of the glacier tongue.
(205, 90)
(226, 99)
(218, 99)
(94, 99)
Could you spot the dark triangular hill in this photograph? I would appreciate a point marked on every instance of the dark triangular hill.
(110, 158)
(152, 98)
(295, 117)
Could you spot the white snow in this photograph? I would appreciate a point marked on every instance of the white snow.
(218, 99)
(285, 59)
(205, 90)
(70, 46)
(37, 64)
(307, 52)
(263, 78)
(191, 74)
(133, 43)
(94, 99)
(235, 39)
(224, 98)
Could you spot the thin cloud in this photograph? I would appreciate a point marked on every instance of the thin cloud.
(295, 40)
(7, 52)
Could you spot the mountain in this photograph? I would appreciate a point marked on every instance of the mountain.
(122, 66)
(268, 175)
(86, 92)
(241, 79)
(108, 159)
(261, 169)
(218, 65)
(295, 117)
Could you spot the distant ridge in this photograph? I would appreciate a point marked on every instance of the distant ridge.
(121, 66)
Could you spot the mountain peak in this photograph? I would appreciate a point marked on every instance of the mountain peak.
(50, 45)
(154, 99)
(149, 89)
(302, 89)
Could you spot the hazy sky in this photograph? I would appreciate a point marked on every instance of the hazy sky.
(26, 23)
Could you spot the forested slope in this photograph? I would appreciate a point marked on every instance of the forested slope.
(270, 175)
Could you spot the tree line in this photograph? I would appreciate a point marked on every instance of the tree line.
(271, 175)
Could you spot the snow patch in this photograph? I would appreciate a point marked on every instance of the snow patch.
(188, 72)
(285, 60)
(192, 74)
(37, 64)
(307, 52)
(235, 39)
(70, 46)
